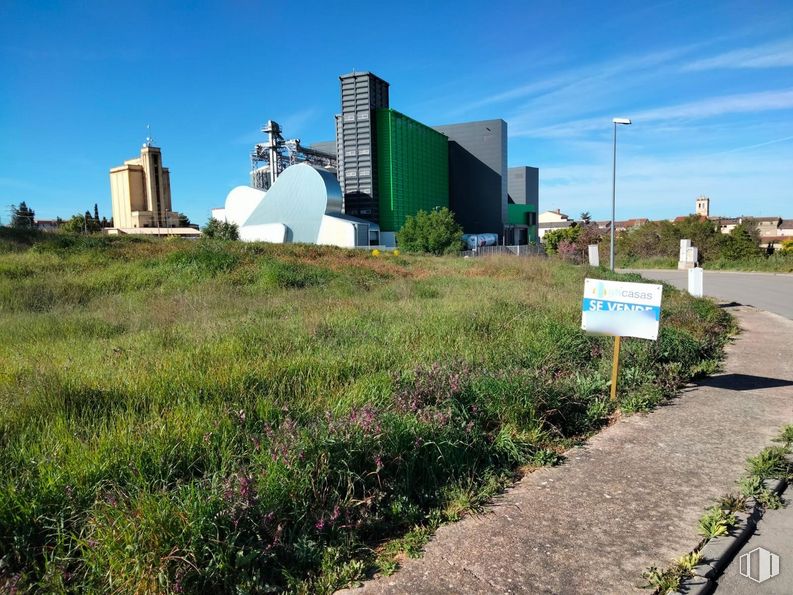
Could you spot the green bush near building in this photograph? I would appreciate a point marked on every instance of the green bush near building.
(435, 232)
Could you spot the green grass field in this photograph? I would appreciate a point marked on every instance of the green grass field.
(209, 417)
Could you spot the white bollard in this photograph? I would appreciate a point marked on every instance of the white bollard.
(695, 282)
(594, 255)
(684, 246)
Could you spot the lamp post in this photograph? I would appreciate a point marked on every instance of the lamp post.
(616, 121)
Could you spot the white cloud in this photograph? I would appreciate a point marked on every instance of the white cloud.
(770, 55)
(719, 106)
(705, 108)
(575, 84)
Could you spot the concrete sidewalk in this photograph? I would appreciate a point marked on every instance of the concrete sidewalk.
(629, 498)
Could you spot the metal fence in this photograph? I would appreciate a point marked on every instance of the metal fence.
(526, 250)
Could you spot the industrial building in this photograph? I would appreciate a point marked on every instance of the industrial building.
(478, 174)
(412, 169)
(303, 204)
(390, 166)
(356, 142)
(141, 196)
(522, 200)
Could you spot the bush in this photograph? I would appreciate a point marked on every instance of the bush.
(742, 242)
(436, 232)
(221, 230)
(572, 243)
(658, 243)
(552, 239)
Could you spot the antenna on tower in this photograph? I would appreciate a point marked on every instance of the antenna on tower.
(149, 139)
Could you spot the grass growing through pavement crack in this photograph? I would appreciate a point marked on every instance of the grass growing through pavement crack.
(773, 462)
(223, 417)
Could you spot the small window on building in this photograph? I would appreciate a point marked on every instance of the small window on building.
(349, 152)
(364, 151)
(365, 171)
(351, 173)
(364, 115)
(349, 117)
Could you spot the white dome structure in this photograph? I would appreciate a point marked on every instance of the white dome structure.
(303, 205)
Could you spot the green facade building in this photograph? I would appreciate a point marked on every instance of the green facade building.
(522, 219)
(412, 168)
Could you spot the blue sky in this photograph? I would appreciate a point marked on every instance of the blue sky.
(709, 86)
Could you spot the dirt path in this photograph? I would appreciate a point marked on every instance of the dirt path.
(629, 498)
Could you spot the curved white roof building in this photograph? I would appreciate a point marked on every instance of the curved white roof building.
(303, 205)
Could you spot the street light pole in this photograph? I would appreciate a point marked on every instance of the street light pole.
(616, 121)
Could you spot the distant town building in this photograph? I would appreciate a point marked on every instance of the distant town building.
(141, 195)
(703, 206)
(548, 220)
(630, 223)
(768, 227)
(47, 224)
(552, 217)
(727, 224)
(772, 230)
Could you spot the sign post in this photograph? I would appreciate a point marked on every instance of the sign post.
(621, 310)
(615, 367)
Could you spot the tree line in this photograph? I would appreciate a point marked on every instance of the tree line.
(24, 217)
(661, 239)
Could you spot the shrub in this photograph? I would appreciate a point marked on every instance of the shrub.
(436, 232)
(553, 238)
(221, 230)
(575, 246)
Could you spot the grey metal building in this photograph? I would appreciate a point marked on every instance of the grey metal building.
(523, 185)
(523, 194)
(356, 143)
(478, 174)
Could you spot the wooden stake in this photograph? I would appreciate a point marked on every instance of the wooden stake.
(615, 367)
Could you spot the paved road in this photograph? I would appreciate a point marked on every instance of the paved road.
(767, 291)
(774, 533)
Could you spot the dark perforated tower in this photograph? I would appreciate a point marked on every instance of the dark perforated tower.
(356, 145)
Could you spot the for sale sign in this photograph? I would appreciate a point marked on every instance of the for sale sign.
(621, 309)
